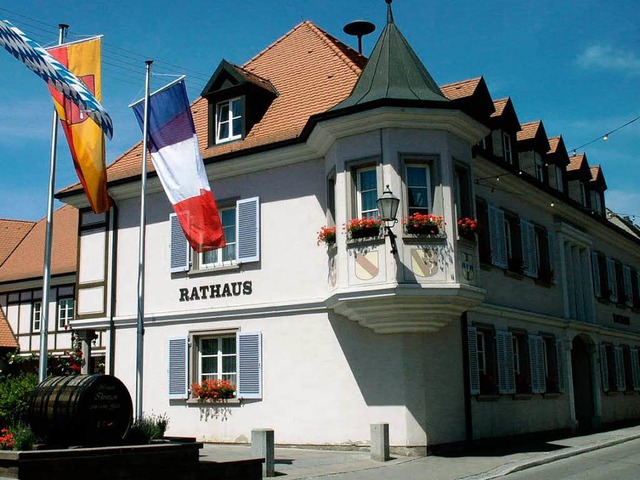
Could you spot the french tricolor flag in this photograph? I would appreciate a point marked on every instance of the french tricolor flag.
(176, 157)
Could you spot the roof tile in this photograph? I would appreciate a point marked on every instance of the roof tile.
(12, 232)
(7, 338)
(464, 88)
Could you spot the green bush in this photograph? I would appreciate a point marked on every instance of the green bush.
(23, 437)
(15, 396)
(146, 429)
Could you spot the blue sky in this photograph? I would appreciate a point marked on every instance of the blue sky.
(573, 64)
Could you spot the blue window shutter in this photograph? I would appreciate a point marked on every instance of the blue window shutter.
(611, 280)
(604, 368)
(529, 253)
(506, 371)
(248, 229)
(619, 361)
(249, 365)
(497, 237)
(178, 351)
(474, 375)
(179, 247)
(536, 363)
(626, 270)
(635, 369)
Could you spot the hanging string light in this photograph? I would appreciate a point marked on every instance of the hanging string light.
(605, 137)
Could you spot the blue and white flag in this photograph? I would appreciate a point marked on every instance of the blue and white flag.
(54, 73)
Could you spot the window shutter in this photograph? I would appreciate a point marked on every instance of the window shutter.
(536, 362)
(611, 280)
(551, 242)
(559, 360)
(620, 378)
(178, 351)
(179, 246)
(529, 253)
(635, 369)
(497, 237)
(597, 288)
(474, 374)
(250, 365)
(626, 270)
(506, 373)
(604, 368)
(248, 230)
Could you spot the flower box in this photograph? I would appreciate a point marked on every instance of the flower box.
(327, 235)
(213, 390)
(423, 224)
(363, 228)
(467, 228)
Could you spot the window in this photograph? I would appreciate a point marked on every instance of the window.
(227, 254)
(462, 191)
(635, 368)
(506, 366)
(628, 368)
(545, 248)
(484, 242)
(217, 359)
(233, 356)
(506, 148)
(611, 368)
(583, 194)
(626, 281)
(596, 202)
(331, 199)
(602, 275)
(552, 357)
(497, 237)
(521, 362)
(366, 192)
(418, 181)
(241, 224)
(513, 243)
(559, 178)
(65, 312)
(36, 316)
(635, 287)
(229, 120)
(530, 248)
(539, 166)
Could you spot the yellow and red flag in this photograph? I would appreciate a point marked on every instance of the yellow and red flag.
(85, 137)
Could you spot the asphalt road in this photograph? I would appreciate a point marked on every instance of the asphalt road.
(620, 462)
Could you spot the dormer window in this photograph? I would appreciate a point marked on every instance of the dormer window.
(506, 148)
(229, 120)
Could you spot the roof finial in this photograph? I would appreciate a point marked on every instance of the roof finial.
(389, 12)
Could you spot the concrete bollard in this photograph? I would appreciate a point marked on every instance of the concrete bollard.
(263, 446)
(380, 442)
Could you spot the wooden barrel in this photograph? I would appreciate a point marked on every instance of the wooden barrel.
(81, 410)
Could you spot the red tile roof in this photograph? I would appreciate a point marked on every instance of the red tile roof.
(553, 144)
(311, 71)
(27, 259)
(575, 162)
(7, 338)
(499, 106)
(464, 88)
(529, 130)
(12, 232)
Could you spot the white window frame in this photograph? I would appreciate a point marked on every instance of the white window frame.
(220, 355)
(218, 262)
(229, 120)
(360, 211)
(63, 312)
(427, 171)
(36, 316)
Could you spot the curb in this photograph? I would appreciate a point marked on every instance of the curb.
(553, 457)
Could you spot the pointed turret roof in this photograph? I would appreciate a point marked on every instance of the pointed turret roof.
(393, 72)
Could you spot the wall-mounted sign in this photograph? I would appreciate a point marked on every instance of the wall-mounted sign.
(219, 290)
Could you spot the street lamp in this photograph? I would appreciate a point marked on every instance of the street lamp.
(388, 208)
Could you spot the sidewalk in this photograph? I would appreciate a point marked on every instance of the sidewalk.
(477, 464)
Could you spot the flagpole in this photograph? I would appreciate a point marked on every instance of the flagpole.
(46, 277)
(141, 250)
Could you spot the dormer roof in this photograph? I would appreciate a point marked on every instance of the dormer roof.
(532, 136)
(597, 181)
(557, 153)
(472, 97)
(394, 75)
(504, 116)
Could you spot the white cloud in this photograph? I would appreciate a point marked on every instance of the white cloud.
(609, 58)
